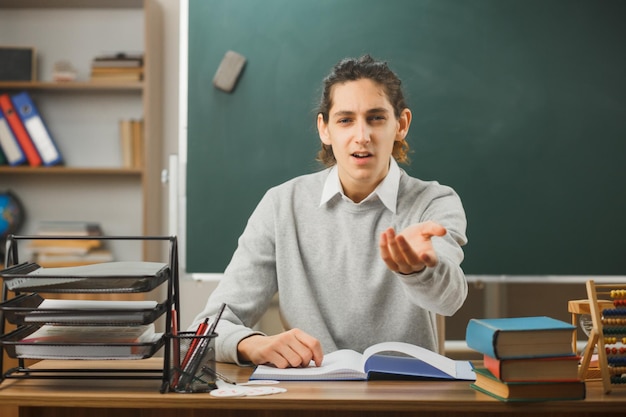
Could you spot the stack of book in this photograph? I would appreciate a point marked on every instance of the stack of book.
(117, 67)
(525, 359)
(69, 252)
(24, 137)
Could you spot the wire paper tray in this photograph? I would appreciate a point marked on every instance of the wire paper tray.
(25, 309)
(23, 372)
(72, 328)
(17, 348)
(86, 279)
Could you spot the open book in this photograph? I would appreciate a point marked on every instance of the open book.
(414, 362)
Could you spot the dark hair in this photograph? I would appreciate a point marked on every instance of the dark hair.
(351, 69)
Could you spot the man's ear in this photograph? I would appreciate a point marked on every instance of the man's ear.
(404, 121)
(322, 129)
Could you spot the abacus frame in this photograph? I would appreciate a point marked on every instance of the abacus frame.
(597, 334)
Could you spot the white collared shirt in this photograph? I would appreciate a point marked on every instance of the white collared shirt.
(386, 191)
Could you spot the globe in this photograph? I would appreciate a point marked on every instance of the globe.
(11, 215)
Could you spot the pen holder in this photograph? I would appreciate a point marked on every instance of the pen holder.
(192, 362)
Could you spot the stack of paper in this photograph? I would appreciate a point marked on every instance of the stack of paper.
(89, 311)
(87, 342)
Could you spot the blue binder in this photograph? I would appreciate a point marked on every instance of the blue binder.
(46, 147)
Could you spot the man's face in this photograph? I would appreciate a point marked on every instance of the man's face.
(361, 130)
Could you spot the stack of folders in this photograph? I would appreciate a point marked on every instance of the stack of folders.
(24, 137)
(525, 359)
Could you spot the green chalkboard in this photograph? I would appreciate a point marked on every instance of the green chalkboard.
(518, 105)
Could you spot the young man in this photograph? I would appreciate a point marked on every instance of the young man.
(359, 253)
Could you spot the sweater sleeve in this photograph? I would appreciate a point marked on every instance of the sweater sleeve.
(248, 284)
(442, 288)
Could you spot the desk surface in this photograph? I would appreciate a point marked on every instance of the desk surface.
(341, 397)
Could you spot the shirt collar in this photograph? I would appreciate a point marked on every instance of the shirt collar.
(387, 190)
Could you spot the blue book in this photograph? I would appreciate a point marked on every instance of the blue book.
(9, 144)
(520, 337)
(36, 128)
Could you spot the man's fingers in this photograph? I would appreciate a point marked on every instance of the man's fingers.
(433, 229)
(397, 253)
(293, 348)
(407, 253)
(411, 250)
(299, 349)
(297, 356)
(309, 348)
(385, 253)
(397, 246)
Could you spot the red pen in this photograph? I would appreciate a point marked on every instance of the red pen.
(192, 346)
(176, 343)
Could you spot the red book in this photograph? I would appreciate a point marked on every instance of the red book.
(22, 136)
(550, 369)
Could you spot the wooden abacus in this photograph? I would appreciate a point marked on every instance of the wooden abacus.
(579, 308)
(608, 333)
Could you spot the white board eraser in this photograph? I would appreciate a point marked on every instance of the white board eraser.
(229, 71)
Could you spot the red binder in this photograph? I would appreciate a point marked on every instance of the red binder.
(27, 145)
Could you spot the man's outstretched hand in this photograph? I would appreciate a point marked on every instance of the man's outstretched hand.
(411, 250)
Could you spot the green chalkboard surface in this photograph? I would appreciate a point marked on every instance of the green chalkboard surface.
(518, 105)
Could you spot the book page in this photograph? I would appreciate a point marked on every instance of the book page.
(440, 362)
(341, 364)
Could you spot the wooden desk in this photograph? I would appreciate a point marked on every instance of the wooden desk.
(95, 398)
